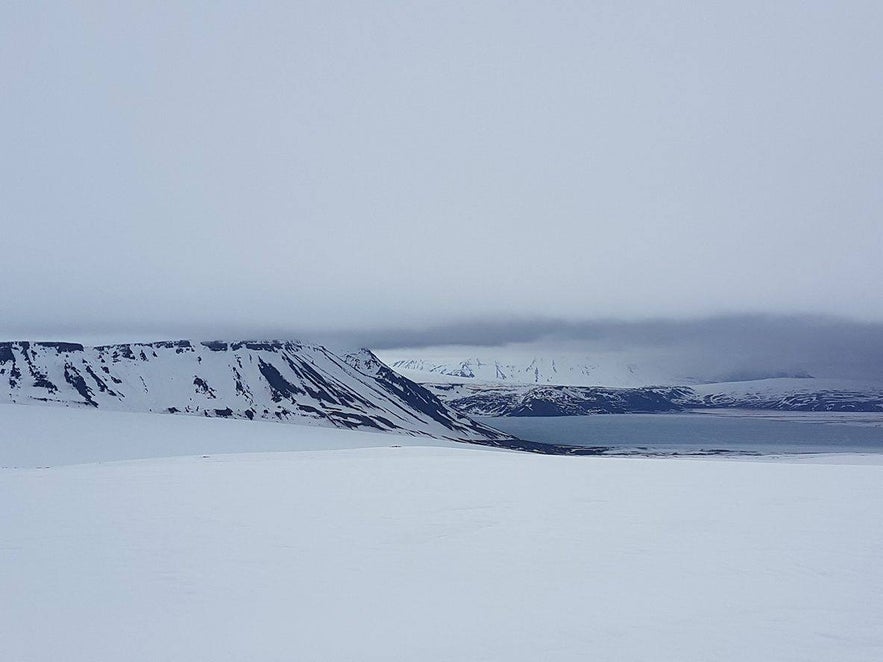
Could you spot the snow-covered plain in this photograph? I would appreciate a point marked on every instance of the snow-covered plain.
(40, 436)
(423, 553)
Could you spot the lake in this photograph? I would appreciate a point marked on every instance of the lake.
(723, 431)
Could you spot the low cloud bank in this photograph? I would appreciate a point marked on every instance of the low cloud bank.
(724, 347)
(729, 347)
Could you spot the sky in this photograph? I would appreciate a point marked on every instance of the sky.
(225, 168)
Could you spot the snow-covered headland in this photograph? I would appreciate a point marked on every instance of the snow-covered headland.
(274, 380)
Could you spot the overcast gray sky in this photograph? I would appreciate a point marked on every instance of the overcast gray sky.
(730, 347)
(368, 165)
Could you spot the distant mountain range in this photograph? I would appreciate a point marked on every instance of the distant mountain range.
(783, 394)
(616, 369)
(268, 380)
(522, 381)
(304, 383)
(558, 370)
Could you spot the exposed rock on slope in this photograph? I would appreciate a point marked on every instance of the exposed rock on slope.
(476, 399)
(272, 380)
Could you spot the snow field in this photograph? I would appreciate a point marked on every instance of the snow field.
(421, 553)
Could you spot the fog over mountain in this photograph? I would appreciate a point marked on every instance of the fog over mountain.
(731, 348)
(723, 348)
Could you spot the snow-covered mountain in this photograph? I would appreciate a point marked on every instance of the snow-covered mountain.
(567, 370)
(272, 380)
(620, 368)
(552, 400)
(526, 380)
(840, 395)
(488, 399)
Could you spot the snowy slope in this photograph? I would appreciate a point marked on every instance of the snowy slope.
(435, 554)
(270, 380)
(44, 437)
(794, 395)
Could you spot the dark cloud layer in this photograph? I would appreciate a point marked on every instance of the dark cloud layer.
(726, 347)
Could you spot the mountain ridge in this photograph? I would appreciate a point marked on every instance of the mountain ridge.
(616, 369)
(792, 394)
(281, 380)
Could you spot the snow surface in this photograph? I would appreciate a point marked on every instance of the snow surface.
(556, 363)
(38, 436)
(522, 365)
(427, 553)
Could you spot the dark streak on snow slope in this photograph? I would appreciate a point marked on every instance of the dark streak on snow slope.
(271, 380)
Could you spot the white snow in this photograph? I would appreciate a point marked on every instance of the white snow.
(782, 387)
(527, 364)
(424, 553)
(535, 364)
(39, 436)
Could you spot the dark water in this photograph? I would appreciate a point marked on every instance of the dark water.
(692, 433)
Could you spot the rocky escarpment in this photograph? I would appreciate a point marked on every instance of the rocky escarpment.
(270, 380)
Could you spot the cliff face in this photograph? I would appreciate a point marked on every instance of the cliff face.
(271, 380)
